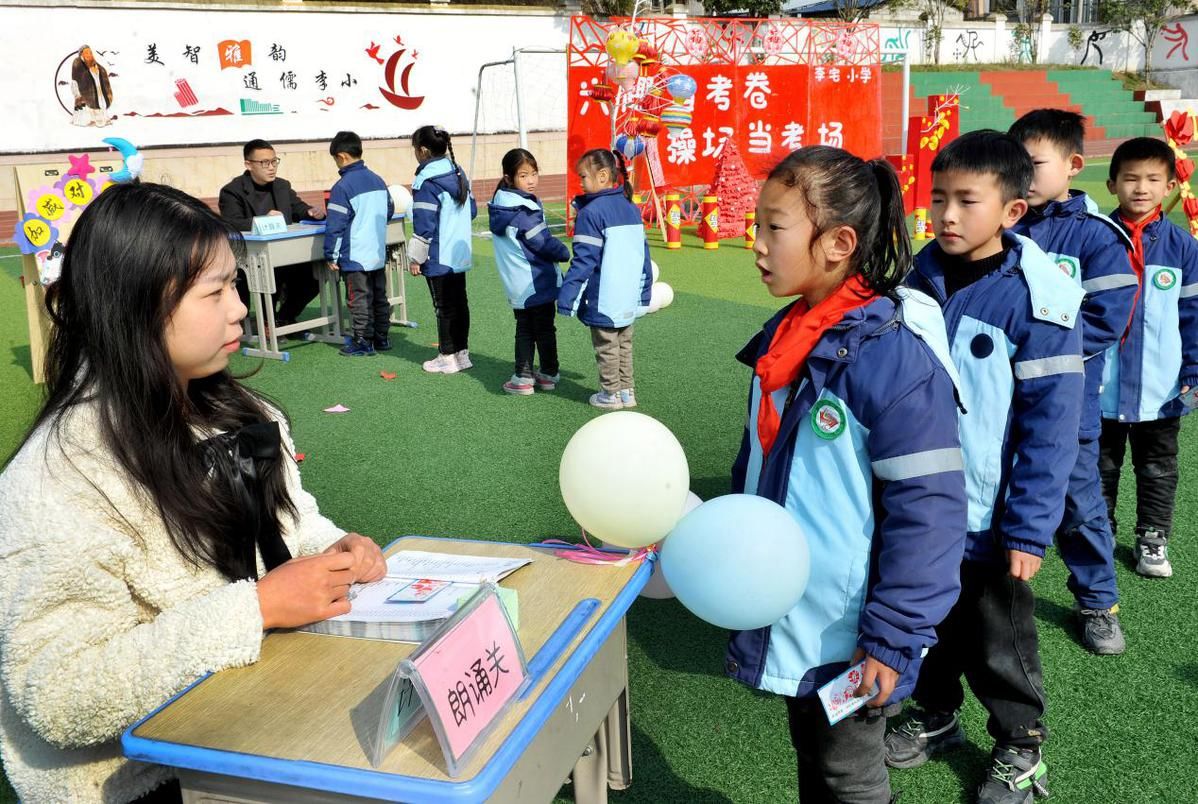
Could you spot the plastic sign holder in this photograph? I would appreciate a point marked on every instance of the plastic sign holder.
(268, 225)
(463, 678)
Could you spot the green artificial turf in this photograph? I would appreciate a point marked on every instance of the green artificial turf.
(455, 456)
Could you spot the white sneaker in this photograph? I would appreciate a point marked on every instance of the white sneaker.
(606, 401)
(442, 364)
(628, 398)
(463, 359)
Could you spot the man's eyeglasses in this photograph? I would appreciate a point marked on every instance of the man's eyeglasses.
(265, 163)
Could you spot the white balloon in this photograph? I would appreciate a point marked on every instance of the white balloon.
(624, 478)
(656, 270)
(657, 588)
(660, 295)
(401, 197)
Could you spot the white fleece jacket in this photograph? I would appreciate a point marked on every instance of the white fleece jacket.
(101, 619)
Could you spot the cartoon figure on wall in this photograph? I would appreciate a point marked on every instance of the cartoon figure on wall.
(90, 90)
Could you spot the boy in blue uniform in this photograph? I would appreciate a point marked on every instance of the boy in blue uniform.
(1151, 371)
(1090, 248)
(355, 243)
(1016, 342)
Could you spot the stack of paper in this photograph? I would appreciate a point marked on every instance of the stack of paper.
(376, 612)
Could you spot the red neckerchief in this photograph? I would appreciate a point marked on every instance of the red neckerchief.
(797, 334)
(1136, 233)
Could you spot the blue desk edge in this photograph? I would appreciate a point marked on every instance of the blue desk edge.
(371, 783)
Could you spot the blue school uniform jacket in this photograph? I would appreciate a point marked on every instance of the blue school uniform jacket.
(868, 461)
(525, 253)
(355, 228)
(1015, 341)
(1092, 249)
(610, 276)
(1144, 374)
(440, 225)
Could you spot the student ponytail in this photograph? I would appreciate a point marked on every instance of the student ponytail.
(622, 173)
(839, 189)
(889, 257)
(436, 141)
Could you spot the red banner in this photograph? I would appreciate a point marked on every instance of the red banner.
(820, 83)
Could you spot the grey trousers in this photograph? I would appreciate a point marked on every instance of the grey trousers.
(613, 353)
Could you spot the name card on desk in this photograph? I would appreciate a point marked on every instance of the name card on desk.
(268, 225)
(464, 677)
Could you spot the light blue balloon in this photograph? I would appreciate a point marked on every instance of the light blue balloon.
(738, 561)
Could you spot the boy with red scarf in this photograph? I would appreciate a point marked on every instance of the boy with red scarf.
(852, 427)
(1150, 374)
(1012, 320)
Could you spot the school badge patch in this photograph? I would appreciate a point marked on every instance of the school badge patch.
(1069, 265)
(828, 419)
(1164, 279)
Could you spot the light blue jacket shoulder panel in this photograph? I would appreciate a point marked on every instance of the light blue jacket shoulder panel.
(1054, 297)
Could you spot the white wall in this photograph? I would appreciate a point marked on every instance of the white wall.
(289, 49)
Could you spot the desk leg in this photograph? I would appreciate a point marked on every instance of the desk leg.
(261, 281)
(397, 269)
(607, 759)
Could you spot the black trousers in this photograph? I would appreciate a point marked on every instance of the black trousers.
(989, 637)
(366, 293)
(1154, 459)
(295, 288)
(536, 332)
(841, 764)
(453, 311)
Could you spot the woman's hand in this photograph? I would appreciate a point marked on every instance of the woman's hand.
(369, 564)
(306, 590)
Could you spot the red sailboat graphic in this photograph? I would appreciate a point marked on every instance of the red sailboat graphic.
(404, 100)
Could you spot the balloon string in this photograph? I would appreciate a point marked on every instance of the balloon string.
(586, 553)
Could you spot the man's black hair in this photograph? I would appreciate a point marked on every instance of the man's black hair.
(990, 152)
(255, 145)
(346, 142)
(1142, 149)
(1064, 129)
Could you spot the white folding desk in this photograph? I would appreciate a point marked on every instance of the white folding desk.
(301, 245)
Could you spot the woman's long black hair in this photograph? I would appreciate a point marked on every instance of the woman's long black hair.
(131, 257)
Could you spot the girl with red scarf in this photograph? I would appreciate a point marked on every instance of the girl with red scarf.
(852, 427)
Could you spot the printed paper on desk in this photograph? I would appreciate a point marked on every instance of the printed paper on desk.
(450, 567)
(838, 696)
(418, 591)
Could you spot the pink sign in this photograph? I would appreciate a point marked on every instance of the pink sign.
(472, 672)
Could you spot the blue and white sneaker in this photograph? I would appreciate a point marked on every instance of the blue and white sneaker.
(607, 401)
(628, 398)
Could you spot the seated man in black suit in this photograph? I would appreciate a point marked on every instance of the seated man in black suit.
(259, 191)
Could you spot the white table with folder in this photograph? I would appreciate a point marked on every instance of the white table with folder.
(300, 245)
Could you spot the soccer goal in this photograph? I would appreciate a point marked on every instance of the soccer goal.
(512, 98)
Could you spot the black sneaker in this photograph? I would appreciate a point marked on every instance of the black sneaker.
(1101, 632)
(382, 344)
(921, 735)
(1017, 775)
(357, 348)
